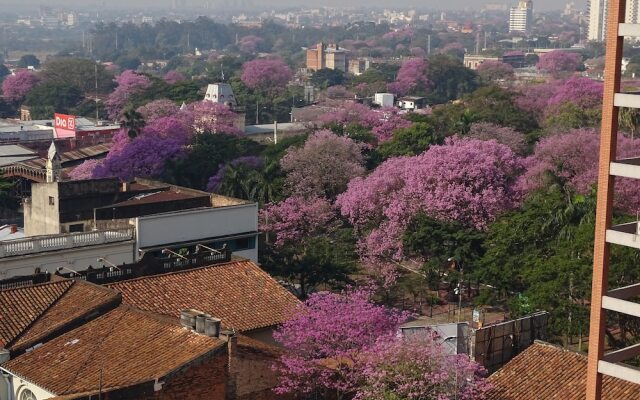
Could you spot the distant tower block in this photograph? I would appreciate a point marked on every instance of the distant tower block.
(221, 93)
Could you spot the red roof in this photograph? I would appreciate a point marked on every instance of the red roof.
(122, 348)
(29, 314)
(547, 372)
(242, 295)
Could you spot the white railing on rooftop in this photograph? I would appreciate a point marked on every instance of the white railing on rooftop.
(40, 244)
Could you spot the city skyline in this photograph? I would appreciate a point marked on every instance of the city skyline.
(540, 5)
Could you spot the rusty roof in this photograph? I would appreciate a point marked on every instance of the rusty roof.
(83, 153)
(120, 349)
(242, 295)
(30, 314)
(544, 371)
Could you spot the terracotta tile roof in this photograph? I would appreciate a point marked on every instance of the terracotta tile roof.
(30, 314)
(129, 346)
(19, 308)
(544, 371)
(242, 295)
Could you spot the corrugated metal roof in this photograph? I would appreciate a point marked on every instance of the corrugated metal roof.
(12, 150)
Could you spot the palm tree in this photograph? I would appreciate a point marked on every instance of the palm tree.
(133, 122)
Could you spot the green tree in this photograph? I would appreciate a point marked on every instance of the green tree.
(409, 142)
(325, 77)
(47, 98)
(78, 73)
(29, 60)
(4, 71)
(449, 79)
(208, 152)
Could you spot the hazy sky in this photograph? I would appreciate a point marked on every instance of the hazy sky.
(438, 4)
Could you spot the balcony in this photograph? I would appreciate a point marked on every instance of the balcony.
(41, 244)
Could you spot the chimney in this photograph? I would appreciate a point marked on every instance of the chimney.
(212, 327)
(230, 337)
(201, 323)
(188, 318)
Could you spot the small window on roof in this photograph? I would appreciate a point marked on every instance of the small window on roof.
(27, 394)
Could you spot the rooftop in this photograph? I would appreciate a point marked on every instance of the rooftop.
(242, 295)
(544, 371)
(122, 348)
(29, 315)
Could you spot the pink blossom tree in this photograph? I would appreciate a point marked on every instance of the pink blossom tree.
(495, 70)
(250, 43)
(16, 87)
(502, 134)
(85, 170)
(454, 49)
(207, 116)
(390, 121)
(323, 166)
(418, 52)
(412, 77)
(467, 181)
(559, 62)
(382, 122)
(570, 159)
(173, 77)
(295, 219)
(324, 340)
(581, 91)
(266, 74)
(417, 367)
(158, 109)
(129, 83)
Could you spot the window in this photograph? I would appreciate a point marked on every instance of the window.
(242, 244)
(52, 201)
(27, 394)
(76, 228)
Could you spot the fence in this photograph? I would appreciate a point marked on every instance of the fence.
(65, 241)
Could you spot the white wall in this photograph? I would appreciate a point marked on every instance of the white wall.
(19, 385)
(79, 258)
(186, 226)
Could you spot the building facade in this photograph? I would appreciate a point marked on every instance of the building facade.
(521, 17)
(598, 11)
(329, 56)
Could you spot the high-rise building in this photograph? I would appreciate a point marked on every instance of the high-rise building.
(615, 303)
(598, 10)
(521, 17)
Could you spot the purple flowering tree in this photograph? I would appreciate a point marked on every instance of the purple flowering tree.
(158, 109)
(85, 170)
(417, 367)
(323, 166)
(129, 83)
(467, 181)
(173, 77)
(16, 87)
(266, 74)
(325, 338)
(558, 62)
(546, 98)
(412, 77)
(571, 159)
(250, 43)
(146, 155)
(296, 219)
(207, 116)
(495, 70)
(502, 134)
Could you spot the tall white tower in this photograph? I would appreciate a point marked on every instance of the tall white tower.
(598, 17)
(521, 17)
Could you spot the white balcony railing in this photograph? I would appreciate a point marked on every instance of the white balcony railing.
(64, 241)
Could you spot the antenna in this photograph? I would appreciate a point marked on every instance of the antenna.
(96, 71)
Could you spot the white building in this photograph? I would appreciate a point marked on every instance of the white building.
(598, 17)
(221, 93)
(521, 17)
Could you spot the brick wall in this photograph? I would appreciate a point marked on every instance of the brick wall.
(205, 380)
(254, 377)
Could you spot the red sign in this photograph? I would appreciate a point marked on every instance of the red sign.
(63, 121)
